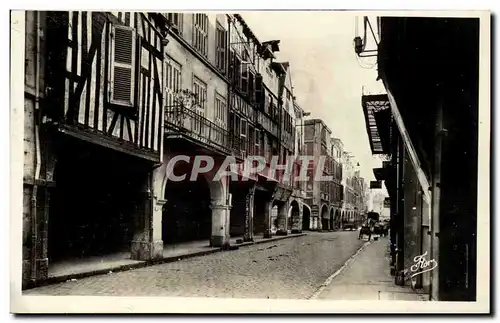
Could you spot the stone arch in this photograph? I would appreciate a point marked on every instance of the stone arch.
(207, 209)
(306, 217)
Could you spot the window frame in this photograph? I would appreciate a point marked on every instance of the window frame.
(200, 42)
(113, 64)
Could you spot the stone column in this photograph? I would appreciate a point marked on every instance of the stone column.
(220, 224)
(297, 218)
(282, 219)
(268, 205)
(249, 208)
(38, 193)
(147, 242)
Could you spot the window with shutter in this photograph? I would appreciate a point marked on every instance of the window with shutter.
(259, 92)
(200, 32)
(244, 128)
(232, 63)
(251, 140)
(176, 19)
(251, 86)
(221, 48)
(257, 142)
(122, 65)
(244, 78)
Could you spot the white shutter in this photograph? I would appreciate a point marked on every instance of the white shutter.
(122, 65)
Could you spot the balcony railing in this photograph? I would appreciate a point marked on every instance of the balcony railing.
(186, 122)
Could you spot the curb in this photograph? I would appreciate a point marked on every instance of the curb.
(142, 264)
(329, 280)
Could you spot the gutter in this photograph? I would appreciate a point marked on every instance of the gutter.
(34, 221)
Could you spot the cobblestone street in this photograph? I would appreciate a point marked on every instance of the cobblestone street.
(290, 268)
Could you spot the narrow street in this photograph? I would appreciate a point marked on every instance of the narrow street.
(292, 268)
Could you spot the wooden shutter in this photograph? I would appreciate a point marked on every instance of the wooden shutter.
(122, 65)
(244, 77)
(232, 65)
(259, 91)
(251, 86)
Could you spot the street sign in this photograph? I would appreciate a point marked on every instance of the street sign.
(387, 202)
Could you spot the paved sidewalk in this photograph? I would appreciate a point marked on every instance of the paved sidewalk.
(366, 276)
(280, 269)
(77, 269)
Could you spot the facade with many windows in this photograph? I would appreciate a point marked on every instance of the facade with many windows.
(120, 117)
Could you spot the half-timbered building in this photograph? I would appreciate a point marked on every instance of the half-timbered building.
(97, 113)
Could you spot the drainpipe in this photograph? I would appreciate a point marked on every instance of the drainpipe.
(34, 228)
(436, 201)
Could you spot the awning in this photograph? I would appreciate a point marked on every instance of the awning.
(376, 109)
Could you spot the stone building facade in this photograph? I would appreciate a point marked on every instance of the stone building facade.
(120, 105)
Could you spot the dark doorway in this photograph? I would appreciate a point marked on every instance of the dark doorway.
(259, 213)
(187, 215)
(92, 207)
(306, 219)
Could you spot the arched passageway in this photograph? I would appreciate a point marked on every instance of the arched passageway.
(274, 218)
(187, 215)
(306, 218)
(92, 208)
(324, 218)
(261, 203)
(332, 219)
(294, 215)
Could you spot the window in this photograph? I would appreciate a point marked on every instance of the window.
(173, 81)
(231, 123)
(237, 125)
(258, 140)
(244, 128)
(221, 48)
(251, 87)
(251, 140)
(244, 78)
(176, 19)
(200, 33)
(122, 75)
(259, 92)
(267, 103)
(200, 89)
(220, 109)
(235, 70)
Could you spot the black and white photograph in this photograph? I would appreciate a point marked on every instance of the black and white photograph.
(334, 159)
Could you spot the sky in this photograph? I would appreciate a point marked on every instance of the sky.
(327, 76)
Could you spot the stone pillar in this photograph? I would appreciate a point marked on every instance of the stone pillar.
(249, 209)
(282, 219)
(37, 194)
(297, 218)
(220, 224)
(147, 243)
(267, 219)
